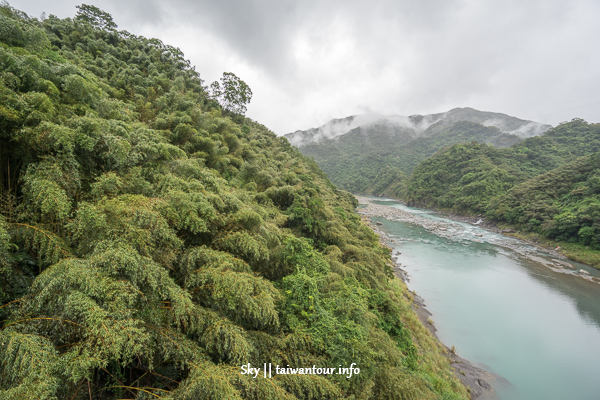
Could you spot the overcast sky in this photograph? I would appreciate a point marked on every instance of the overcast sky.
(308, 61)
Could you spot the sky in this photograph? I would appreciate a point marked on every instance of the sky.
(309, 61)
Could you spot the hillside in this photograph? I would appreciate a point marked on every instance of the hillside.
(355, 159)
(562, 204)
(465, 177)
(352, 160)
(442, 135)
(152, 242)
(504, 123)
(466, 161)
(545, 185)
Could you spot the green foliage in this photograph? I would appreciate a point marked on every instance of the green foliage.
(375, 159)
(539, 185)
(29, 366)
(5, 262)
(390, 182)
(232, 93)
(562, 204)
(462, 177)
(151, 243)
(218, 280)
(95, 17)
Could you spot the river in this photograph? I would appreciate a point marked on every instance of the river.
(505, 305)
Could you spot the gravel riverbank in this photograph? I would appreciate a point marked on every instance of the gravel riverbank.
(456, 230)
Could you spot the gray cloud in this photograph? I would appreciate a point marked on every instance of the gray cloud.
(310, 61)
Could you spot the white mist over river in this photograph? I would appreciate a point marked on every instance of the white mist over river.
(500, 304)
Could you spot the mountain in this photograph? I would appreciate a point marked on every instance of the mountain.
(352, 160)
(503, 122)
(561, 204)
(418, 124)
(443, 134)
(357, 159)
(331, 129)
(153, 241)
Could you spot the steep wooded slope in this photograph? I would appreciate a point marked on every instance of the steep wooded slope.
(151, 243)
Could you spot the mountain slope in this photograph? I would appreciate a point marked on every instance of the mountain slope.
(446, 179)
(441, 135)
(505, 123)
(352, 160)
(562, 204)
(547, 184)
(152, 243)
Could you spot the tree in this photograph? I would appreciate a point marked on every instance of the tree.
(95, 17)
(232, 93)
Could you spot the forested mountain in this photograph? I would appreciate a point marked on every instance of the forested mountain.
(546, 184)
(562, 204)
(358, 159)
(442, 135)
(465, 177)
(505, 123)
(334, 128)
(152, 241)
(353, 160)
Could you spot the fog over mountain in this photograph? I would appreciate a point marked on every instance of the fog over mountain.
(417, 125)
(310, 61)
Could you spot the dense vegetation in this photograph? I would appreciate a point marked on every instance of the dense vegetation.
(563, 204)
(152, 242)
(389, 182)
(462, 177)
(358, 161)
(444, 135)
(354, 160)
(539, 185)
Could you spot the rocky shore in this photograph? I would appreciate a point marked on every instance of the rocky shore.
(456, 230)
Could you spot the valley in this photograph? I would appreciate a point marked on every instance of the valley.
(542, 183)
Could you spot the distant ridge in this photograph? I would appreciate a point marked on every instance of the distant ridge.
(418, 125)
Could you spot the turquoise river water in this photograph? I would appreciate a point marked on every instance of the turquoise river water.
(534, 326)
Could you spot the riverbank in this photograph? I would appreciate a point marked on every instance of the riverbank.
(568, 251)
(454, 230)
(477, 380)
